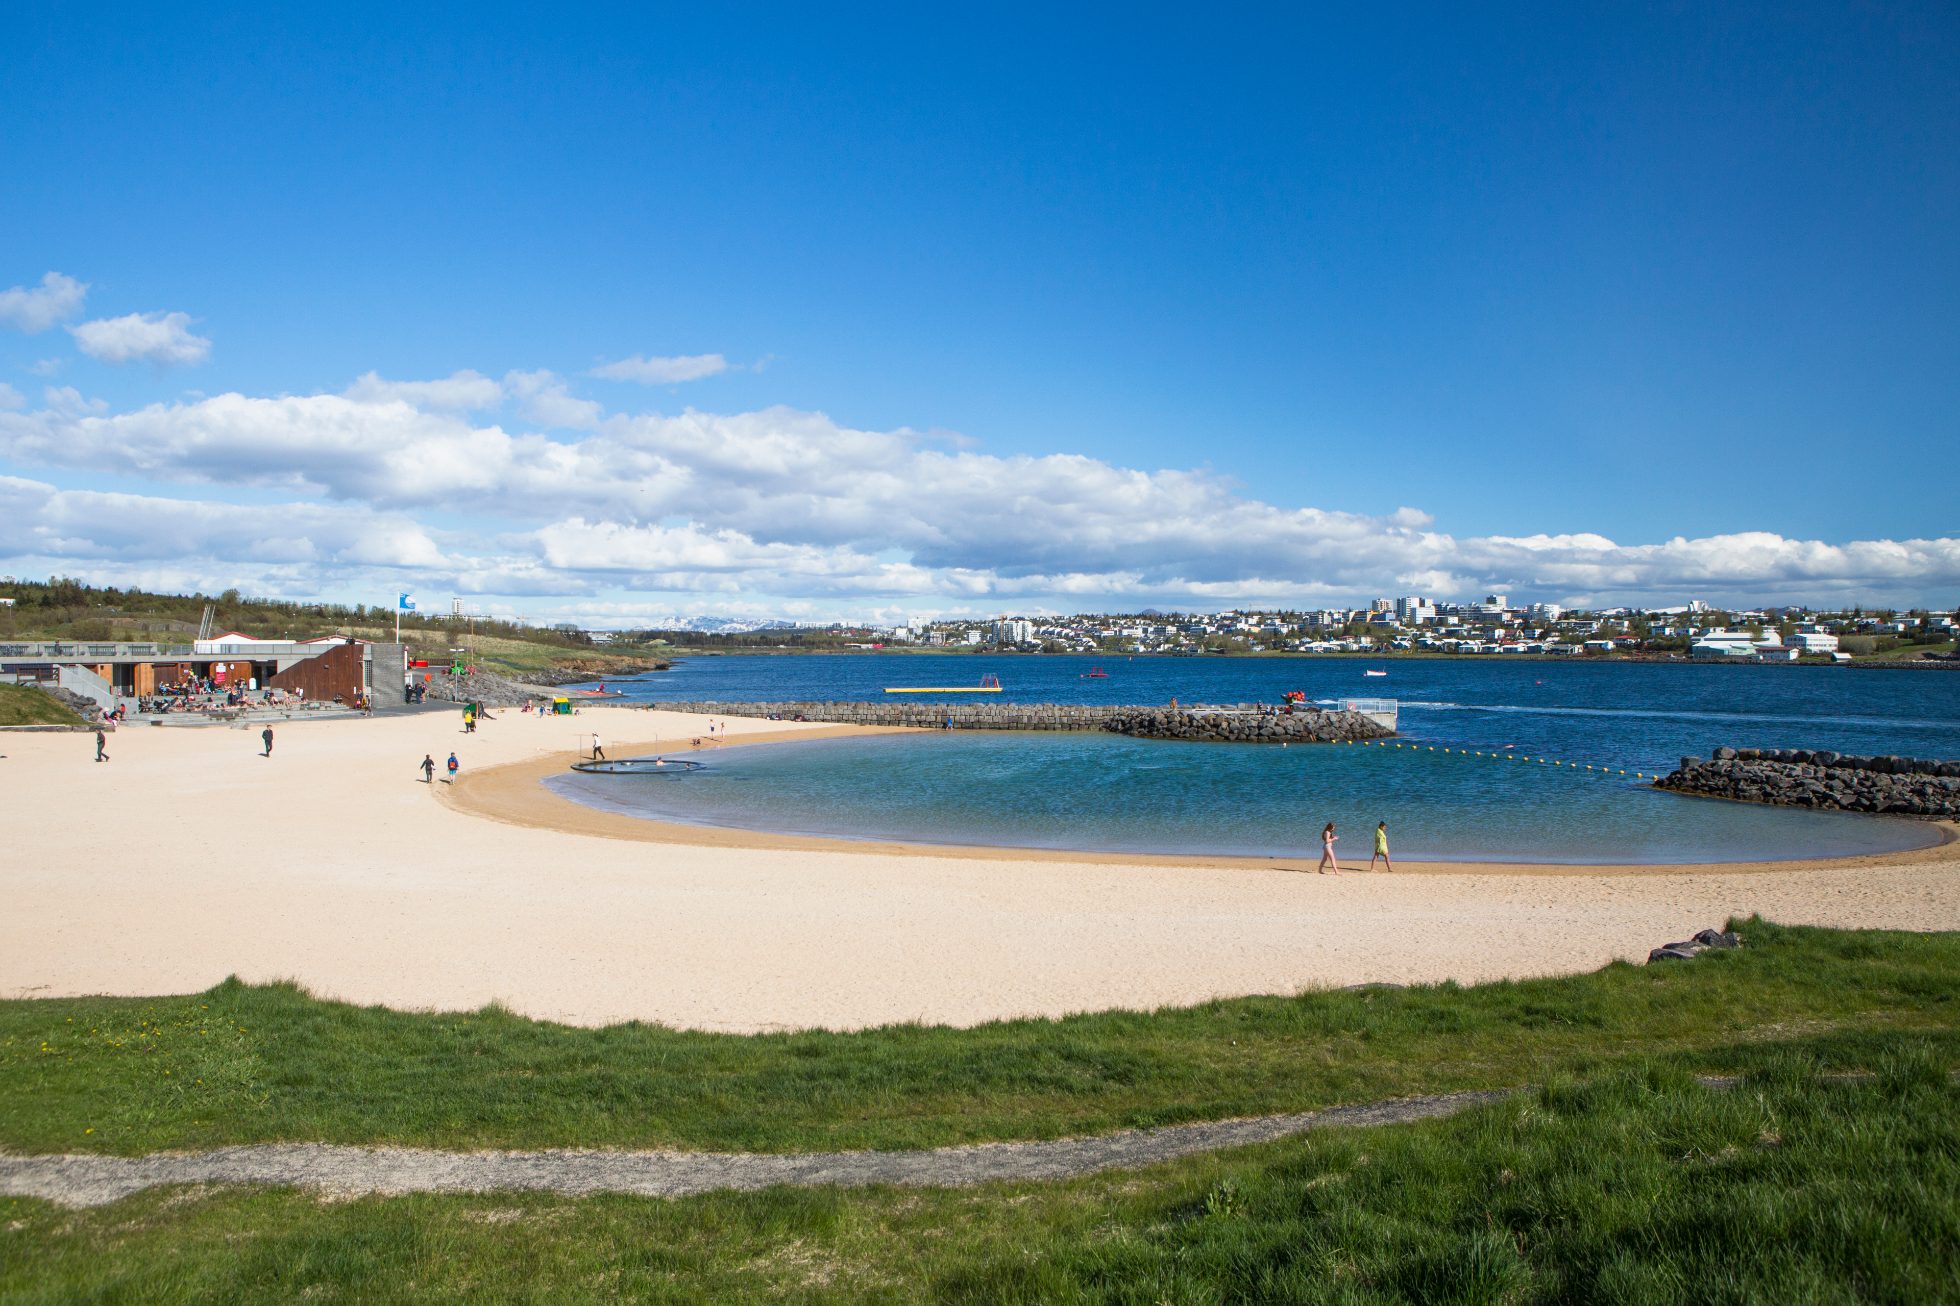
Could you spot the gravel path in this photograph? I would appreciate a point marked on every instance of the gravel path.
(97, 1180)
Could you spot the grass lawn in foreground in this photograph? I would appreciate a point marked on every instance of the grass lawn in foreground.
(1640, 1186)
(22, 706)
(250, 1064)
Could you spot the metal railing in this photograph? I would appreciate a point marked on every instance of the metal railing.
(1382, 711)
(67, 648)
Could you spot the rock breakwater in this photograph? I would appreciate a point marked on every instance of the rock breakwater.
(1241, 723)
(1245, 727)
(1800, 777)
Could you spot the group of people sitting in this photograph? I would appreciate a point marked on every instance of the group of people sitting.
(178, 698)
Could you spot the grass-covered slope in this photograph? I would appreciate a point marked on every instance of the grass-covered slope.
(246, 1064)
(1637, 1187)
(23, 706)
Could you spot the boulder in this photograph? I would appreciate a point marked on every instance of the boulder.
(1718, 939)
(1674, 952)
(1724, 755)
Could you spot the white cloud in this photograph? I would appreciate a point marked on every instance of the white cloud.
(10, 397)
(163, 338)
(464, 391)
(40, 520)
(67, 401)
(47, 366)
(544, 398)
(662, 371)
(786, 503)
(56, 299)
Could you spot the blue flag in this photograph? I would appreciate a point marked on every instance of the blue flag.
(407, 603)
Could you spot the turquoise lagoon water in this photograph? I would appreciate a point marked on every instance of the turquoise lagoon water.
(1093, 792)
(1089, 791)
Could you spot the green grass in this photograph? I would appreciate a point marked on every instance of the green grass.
(1904, 653)
(245, 1064)
(1638, 1186)
(22, 706)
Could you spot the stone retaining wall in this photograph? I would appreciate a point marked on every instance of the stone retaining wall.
(1799, 777)
(1242, 723)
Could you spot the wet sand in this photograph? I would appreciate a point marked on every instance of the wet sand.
(188, 858)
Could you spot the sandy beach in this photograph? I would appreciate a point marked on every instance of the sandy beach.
(190, 857)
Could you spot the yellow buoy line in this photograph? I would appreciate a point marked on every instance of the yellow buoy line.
(1504, 757)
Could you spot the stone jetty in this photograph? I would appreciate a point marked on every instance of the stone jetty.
(1243, 723)
(1801, 777)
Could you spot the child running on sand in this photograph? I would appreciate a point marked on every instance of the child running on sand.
(1381, 847)
(1327, 841)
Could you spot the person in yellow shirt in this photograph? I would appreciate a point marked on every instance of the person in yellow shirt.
(1381, 847)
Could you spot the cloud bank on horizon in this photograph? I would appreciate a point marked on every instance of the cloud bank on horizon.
(520, 490)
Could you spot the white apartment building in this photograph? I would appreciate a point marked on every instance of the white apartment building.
(1415, 610)
(1718, 645)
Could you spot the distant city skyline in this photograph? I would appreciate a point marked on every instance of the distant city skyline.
(771, 315)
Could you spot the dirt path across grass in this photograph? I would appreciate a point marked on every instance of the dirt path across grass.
(353, 1171)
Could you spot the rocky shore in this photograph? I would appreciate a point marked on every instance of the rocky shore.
(1799, 777)
(591, 671)
(485, 687)
(1241, 723)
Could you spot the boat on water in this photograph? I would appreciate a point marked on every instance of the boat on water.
(987, 685)
(1095, 673)
(1372, 672)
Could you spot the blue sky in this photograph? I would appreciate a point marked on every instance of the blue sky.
(1013, 311)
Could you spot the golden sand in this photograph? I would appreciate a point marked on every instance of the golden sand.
(189, 857)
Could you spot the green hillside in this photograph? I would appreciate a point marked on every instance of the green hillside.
(65, 609)
(21, 706)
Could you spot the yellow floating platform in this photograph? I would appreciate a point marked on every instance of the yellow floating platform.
(947, 689)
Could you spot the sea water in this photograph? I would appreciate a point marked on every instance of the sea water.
(1474, 802)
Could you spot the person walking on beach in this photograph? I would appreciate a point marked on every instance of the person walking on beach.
(454, 767)
(266, 735)
(1381, 847)
(1327, 841)
(598, 750)
(101, 746)
(428, 769)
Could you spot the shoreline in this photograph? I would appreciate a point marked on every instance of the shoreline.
(1867, 662)
(515, 794)
(191, 856)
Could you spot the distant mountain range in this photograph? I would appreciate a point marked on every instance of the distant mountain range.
(721, 625)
